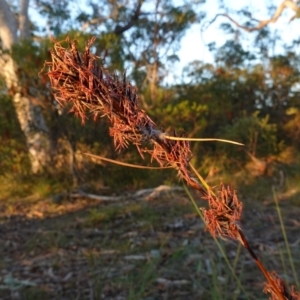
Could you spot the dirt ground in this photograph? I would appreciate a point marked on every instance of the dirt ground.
(153, 246)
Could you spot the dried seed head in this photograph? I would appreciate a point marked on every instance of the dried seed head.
(278, 286)
(223, 214)
(78, 81)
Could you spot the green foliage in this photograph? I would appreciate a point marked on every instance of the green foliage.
(257, 134)
(183, 115)
(232, 55)
(13, 151)
(292, 126)
(56, 14)
(252, 103)
(231, 100)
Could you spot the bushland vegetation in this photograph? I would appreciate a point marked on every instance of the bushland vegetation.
(246, 95)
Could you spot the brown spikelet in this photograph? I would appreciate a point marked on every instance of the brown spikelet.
(223, 214)
(278, 287)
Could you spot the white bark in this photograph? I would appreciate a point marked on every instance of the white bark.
(8, 26)
(285, 4)
(30, 116)
(35, 130)
(23, 19)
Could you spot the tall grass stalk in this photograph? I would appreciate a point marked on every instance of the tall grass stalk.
(288, 249)
(281, 253)
(147, 278)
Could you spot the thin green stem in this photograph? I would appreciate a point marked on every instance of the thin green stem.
(116, 162)
(217, 242)
(238, 251)
(282, 259)
(285, 237)
(202, 180)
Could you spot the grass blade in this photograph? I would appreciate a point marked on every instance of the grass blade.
(218, 244)
(116, 162)
(288, 249)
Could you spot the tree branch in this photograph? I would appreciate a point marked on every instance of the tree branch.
(285, 4)
(135, 16)
(87, 24)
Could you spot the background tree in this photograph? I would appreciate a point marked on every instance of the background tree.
(140, 37)
(247, 94)
(14, 27)
(253, 24)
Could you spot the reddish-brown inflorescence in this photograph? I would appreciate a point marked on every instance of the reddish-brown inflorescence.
(77, 80)
(224, 213)
(281, 287)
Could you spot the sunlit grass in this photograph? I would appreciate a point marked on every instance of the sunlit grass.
(14, 187)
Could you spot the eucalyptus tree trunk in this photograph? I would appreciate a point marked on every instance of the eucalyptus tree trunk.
(29, 115)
